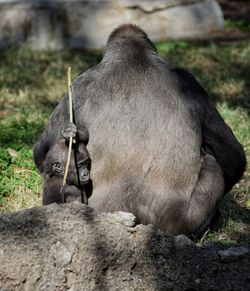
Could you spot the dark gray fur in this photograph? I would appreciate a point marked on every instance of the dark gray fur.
(159, 148)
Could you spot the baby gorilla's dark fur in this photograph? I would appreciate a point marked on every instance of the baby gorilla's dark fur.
(78, 183)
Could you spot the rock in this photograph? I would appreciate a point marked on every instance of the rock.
(197, 281)
(182, 241)
(233, 254)
(61, 253)
(13, 153)
(149, 6)
(57, 24)
(125, 218)
(69, 247)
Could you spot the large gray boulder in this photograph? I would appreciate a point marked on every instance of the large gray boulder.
(68, 247)
(56, 24)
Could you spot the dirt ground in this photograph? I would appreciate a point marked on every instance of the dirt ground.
(68, 247)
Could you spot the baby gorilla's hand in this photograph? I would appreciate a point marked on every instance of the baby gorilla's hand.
(69, 131)
(71, 193)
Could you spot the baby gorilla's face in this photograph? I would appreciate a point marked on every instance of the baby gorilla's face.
(78, 174)
(77, 178)
(83, 172)
(79, 169)
(79, 166)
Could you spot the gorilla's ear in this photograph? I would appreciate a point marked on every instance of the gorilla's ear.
(57, 168)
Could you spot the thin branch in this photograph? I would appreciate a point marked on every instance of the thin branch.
(71, 120)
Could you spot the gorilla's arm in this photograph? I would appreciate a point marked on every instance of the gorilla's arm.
(60, 120)
(52, 132)
(57, 128)
(229, 153)
(218, 138)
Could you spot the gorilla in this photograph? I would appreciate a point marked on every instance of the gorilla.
(158, 146)
(78, 183)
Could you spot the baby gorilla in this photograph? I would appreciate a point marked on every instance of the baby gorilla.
(78, 184)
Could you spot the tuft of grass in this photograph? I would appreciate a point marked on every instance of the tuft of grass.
(19, 179)
(171, 46)
(31, 84)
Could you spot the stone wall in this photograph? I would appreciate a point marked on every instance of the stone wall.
(56, 24)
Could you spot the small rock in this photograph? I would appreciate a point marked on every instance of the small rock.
(232, 254)
(125, 218)
(197, 281)
(212, 246)
(182, 241)
(61, 253)
(13, 153)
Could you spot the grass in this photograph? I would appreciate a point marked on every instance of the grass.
(240, 24)
(31, 84)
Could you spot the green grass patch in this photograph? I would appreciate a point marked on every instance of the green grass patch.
(240, 24)
(171, 46)
(31, 84)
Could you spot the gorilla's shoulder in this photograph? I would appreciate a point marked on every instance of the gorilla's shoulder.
(187, 82)
(86, 76)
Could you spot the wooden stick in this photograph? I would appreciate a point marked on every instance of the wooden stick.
(71, 120)
(70, 96)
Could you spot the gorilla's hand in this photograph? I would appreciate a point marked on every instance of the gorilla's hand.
(69, 131)
(71, 193)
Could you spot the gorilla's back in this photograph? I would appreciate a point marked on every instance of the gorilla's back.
(147, 123)
(144, 143)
